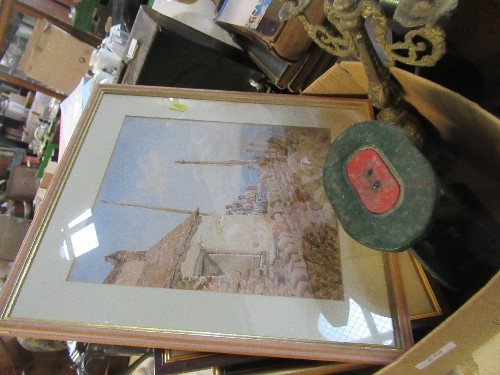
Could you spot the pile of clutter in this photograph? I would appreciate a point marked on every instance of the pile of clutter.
(107, 58)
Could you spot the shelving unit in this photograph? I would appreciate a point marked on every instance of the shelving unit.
(15, 14)
(17, 21)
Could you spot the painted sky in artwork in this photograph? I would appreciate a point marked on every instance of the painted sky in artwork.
(142, 173)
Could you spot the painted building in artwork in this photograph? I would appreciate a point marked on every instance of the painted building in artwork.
(199, 251)
(281, 243)
(223, 244)
(252, 254)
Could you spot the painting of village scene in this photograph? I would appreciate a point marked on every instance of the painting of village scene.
(216, 207)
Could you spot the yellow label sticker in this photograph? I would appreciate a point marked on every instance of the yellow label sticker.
(176, 106)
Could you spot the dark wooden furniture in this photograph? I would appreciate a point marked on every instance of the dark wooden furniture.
(170, 53)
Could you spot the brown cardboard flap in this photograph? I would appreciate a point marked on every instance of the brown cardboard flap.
(22, 183)
(474, 131)
(462, 343)
(55, 58)
(345, 78)
(459, 120)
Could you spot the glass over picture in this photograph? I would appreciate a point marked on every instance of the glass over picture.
(211, 206)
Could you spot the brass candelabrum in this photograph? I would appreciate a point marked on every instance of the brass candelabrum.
(345, 35)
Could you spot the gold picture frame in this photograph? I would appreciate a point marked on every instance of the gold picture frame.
(422, 301)
(133, 164)
(172, 362)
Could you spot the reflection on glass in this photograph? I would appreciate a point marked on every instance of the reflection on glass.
(86, 215)
(83, 236)
(362, 327)
(64, 253)
(84, 240)
(382, 323)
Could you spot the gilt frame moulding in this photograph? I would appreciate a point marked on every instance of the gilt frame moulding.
(193, 220)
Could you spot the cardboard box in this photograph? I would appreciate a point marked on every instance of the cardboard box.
(471, 130)
(48, 173)
(40, 195)
(12, 232)
(55, 58)
(467, 342)
(287, 39)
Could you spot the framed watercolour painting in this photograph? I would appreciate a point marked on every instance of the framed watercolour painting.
(197, 220)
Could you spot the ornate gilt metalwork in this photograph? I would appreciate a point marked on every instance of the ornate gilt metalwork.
(334, 39)
(292, 9)
(421, 47)
(345, 35)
